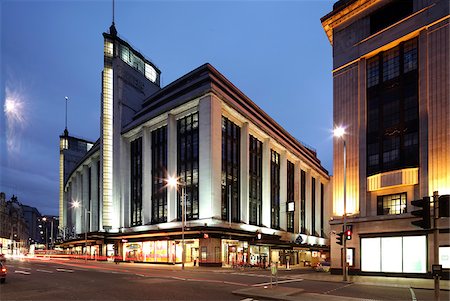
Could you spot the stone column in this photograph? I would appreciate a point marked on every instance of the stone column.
(85, 199)
(210, 157)
(95, 202)
(171, 167)
(283, 190)
(266, 206)
(308, 203)
(297, 171)
(146, 176)
(244, 173)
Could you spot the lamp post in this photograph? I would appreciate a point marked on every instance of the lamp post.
(173, 182)
(44, 219)
(339, 132)
(76, 204)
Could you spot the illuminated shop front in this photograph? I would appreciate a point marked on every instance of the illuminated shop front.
(399, 254)
(160, 251)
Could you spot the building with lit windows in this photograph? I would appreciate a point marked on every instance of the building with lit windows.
(391, 93)
(253, 193)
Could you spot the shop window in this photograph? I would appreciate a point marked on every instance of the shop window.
(391, 204)
(204, 254)
(394, 255)
(444, 257)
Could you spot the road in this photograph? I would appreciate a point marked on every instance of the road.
(76, 280)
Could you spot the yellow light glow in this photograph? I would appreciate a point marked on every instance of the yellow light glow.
(108, 49)
(107, 145)
(61, 190)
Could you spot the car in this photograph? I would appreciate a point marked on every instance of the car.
(2, 272)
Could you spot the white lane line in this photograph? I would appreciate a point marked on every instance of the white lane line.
(64, 270)
(247, 299)
(22, 272)
(141, 275)
(413, 295)
(178, 278)
(338, 288)
(44, 271)
(282, 281)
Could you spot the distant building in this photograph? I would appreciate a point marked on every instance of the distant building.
(13, 227)
(32, 218)
(391, 62)
(254, 193)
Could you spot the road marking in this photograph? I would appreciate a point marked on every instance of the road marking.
(178, 278)
(248, 299)
(64, 270)
(25, 268)
(141, 275)
(413, 295)
(44, 271)
(338, 288)
(22, 272)
(282, 281)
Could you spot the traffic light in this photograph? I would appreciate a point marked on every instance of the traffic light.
(424, 213)
(348, 232)
(444, 208)
(339, 238)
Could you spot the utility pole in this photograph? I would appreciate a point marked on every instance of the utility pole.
(436, 245)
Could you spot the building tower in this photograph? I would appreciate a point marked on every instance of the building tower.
(391, 93)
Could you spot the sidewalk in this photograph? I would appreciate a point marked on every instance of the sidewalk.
(297, 294)
(381, 281)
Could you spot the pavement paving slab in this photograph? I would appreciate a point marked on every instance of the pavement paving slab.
(287, 294)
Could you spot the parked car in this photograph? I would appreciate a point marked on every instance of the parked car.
(2, 272)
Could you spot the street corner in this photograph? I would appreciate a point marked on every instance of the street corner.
(268, 292)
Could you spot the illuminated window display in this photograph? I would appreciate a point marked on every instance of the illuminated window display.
(394, 254)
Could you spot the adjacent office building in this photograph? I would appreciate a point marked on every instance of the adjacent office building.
(391, 93)
(252, 192)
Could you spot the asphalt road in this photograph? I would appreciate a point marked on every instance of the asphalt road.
(75, 280)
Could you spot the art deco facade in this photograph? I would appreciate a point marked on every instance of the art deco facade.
(253, 192)
(391, 92)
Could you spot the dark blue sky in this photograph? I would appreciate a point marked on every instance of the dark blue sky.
(276, 52)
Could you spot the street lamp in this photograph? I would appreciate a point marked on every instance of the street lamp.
(339, 132)
(44, 219)
(173, 182)
(76, 204)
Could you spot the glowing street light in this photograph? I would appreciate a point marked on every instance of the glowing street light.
(173, 182)
(339, 132)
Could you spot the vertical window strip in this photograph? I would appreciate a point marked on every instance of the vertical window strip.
(290, 197)
(187, 158)
(231, 136)
(275, 189)
(392, 116)
(313, 206)
(255, 181)
(322, 202)
(159, 174)
(303, 201)
(136, 182)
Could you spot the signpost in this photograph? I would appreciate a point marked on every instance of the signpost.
(274, 273)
